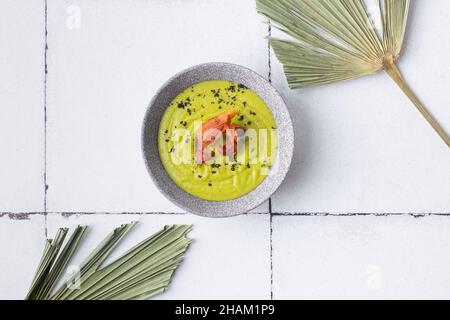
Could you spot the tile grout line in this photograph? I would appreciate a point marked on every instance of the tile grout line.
(45, 111)
(271, 256)
(269, 30)
(274, 214)
(359, 214)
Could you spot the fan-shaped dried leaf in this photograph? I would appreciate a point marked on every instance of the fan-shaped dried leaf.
(142, 272)
(336, 40)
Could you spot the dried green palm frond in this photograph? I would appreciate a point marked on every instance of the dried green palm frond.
(142, 272)
(335, 40)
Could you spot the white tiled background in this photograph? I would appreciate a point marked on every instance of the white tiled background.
(364, 212)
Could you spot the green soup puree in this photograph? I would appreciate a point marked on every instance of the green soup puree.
(222, 177)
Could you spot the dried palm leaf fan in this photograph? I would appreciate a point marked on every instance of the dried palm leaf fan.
(142, 272)
(336, 41)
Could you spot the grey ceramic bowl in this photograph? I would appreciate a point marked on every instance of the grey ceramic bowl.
(177, 84)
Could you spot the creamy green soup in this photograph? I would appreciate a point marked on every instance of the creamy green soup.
(224, 176)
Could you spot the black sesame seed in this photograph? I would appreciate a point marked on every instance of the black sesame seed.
(216, 93)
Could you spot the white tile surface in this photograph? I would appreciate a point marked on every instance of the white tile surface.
(361, 146)
(21, 105)
(263, 208)
(102, 76)
(21, 244)
(228, 260)
(361, 257)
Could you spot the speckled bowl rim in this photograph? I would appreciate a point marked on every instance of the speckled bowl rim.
(156, 109)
